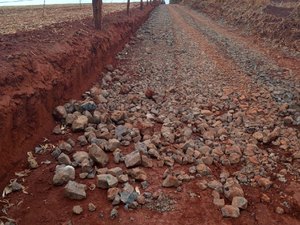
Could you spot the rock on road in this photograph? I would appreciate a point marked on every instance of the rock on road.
(217, 131)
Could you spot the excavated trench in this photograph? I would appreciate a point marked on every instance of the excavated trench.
(44, 68)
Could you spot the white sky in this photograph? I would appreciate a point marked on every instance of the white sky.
(48, 2)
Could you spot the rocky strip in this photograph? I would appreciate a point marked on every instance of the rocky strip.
(168, 131)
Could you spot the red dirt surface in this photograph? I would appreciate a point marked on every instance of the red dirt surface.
(25, 18)
(192, 205)
(42, 68)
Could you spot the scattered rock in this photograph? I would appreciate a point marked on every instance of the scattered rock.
(171, 181)
(80, 123)
(133, 159)
(202, 184)
(65, 146)
(232, 188)
(88, 106)
(80, 156)
(230, 211)
(266, 183)
(117, 116)
(77, 209)
(116, 171)
(114, 213)
(123, 178)
(106, 181)
(32, 161)
(149, 93)
(60, 113)
(265, 198)
(258, 136)
(64, 159)
(113, 144)
(141, 200)
(215, 185)
(74, 190)
(82, 140)
(138, 174)
(239, 202)
(279, 210)
(98, 155)
(219, 202)
(296, 155)
(146, 162)
(92, 207)
(112, 193)
(63, 174)
(203, 169)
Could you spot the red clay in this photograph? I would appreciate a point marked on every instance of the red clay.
(41, 69)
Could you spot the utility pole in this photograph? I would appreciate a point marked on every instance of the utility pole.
(128, 7)
(97, 13)
(44, 5)
(142, 5)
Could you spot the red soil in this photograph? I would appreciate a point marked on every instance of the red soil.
(43, 68)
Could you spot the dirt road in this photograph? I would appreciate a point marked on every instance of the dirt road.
(214, 114)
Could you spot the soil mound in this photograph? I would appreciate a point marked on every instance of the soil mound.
(278, 21)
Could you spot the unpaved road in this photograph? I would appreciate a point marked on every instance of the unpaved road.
(197, 93)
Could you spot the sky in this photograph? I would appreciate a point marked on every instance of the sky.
(49, 2)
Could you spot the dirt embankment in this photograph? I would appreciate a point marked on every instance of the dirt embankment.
(41, 69)
(276, 20)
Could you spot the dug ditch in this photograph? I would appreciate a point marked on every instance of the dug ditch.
(42, 68)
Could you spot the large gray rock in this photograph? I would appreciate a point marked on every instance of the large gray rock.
(106, 181)
(98, 155)
(80, 123)
(74, 190)
(133, 159)
(63, 174)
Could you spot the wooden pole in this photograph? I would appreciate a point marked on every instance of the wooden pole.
(128, 7)
(142, 5)
(97, 13)
(44, 5)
